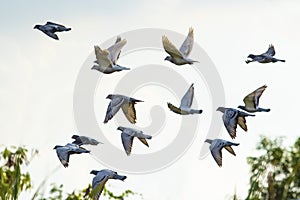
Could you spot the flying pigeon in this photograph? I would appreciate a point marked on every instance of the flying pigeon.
(252, 100)
(50, 28)
(185, 105)
(124, 102)
(64, 152)
(107, 58)
(232, 117)
(84, 140)
(101, 177)
(216, 147)
(266, 57)
(180, 57)
(128, 135)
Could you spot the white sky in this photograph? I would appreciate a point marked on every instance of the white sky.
(37, 77)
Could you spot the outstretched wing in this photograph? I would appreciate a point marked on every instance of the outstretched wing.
(230, 119)
(252, 99)
(187, 99)
(174, 108)
(102, 57)
(115, 50)
(217, 154)
(51, 34)
(170, 48)
(54, 24)
(127, 141)
(98, 185)
(113, 107)
(188, 43)
(270, 51)
(129, 111)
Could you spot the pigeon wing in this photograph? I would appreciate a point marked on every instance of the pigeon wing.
(242, 122)
(102, 57)
(115, 50)
(129, 111)
(229, 149)
(51, 34)
(188, 43)
(54, 24)
(230, 122)
(252, 99)
(63, 155)
(170, 48)
(270, 51)
(98, 185)
(113, 107)
(187, 99)
(127, 141)
(144, 141)
(217, 154)
(174, 108)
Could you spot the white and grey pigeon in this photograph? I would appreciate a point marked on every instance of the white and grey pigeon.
(127, 136)
(216, 147)
(266, 57)
(107, 58)
(101, 177)
(124, 102)
(84, 140)
(180, 57)
(231, 117)
(64, 152)
(51, 28)
(252, 100)
(186, 103)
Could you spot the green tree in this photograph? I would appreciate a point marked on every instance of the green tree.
(275, 174)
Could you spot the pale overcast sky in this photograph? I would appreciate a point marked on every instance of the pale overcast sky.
(38, 75)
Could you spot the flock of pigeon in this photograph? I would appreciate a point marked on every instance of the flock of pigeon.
(106, 62)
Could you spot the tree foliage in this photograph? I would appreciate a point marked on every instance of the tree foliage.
(275, 174)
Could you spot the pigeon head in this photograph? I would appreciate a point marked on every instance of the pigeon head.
(96, 67)
(241, 107)
(94, 172)
(208, 141)
(75, 136)
(37, 26)
(120, 128)
(169, 58)
(221, 109)
(251, 56)
(110, 96)
(57, 146)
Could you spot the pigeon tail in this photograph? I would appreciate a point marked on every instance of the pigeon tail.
(122, 178)
(196, 111)
(67, 29)
(264, 110)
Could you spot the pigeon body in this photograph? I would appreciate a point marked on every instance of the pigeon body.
(84, 140)
(231, 117)
(124, 102)
(252, 101)
(266, 57)
(64, 152)
(180, 57)
(101, 177)
(186, 103)
(50, 28)
(216, 147)
(127, 136)
(107, 58)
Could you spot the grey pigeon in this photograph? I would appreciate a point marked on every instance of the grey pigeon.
(107, 58)
(186, 103)
(101, 177)
(180, 57)
(216, 147)
(252, 100)
(266, 57)
(232, 117)
(50, 28)
(124, 102)
(128, 135)
(64, 152)
(84, 140)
